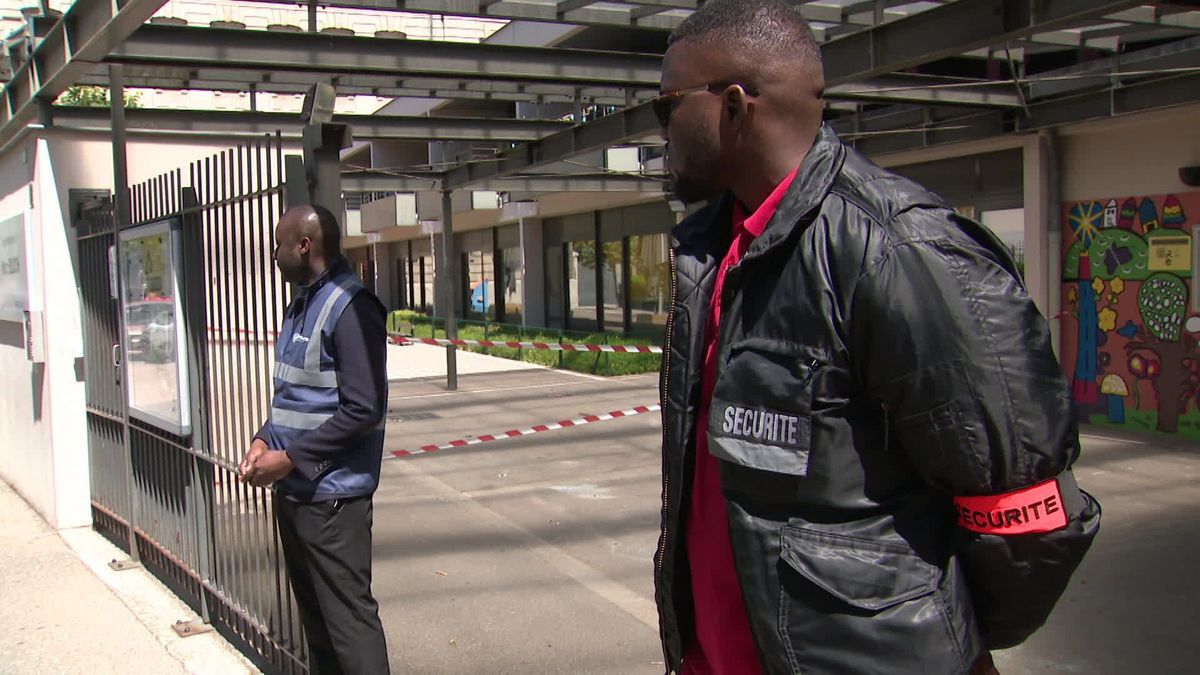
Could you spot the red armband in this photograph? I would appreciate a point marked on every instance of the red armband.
(1037, 508)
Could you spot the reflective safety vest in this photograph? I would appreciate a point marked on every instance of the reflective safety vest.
(306, 393)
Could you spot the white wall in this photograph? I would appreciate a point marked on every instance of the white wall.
(1133, 155)
(26, 462)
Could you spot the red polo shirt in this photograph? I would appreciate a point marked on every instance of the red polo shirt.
(723, 644)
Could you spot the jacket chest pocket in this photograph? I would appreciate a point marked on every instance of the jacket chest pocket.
(761, 412)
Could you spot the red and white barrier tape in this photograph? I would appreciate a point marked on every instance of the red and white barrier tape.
(553, 346)
(513, 433)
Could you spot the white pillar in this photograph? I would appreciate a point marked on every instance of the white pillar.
(1043, 228)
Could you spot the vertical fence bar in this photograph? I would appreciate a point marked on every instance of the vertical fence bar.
(248, 375)
(218, 245)
(123, 210)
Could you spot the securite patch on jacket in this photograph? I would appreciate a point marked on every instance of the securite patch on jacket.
(1037, 508)
(765, 426)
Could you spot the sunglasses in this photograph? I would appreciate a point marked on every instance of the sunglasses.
(665, 103)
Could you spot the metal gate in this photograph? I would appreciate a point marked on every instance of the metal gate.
(173, 502)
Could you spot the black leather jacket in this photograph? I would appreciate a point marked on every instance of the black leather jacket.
(878, 357)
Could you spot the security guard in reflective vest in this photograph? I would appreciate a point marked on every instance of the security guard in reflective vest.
(323, 443)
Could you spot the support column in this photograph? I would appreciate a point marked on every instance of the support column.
(449, 287)
(323, 144)
(1043, 229)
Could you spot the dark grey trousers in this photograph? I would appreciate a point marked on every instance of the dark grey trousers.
(327, 550)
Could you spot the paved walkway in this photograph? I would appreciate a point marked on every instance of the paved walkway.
(411, 361)
(65, 611)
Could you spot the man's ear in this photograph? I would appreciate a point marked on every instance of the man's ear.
(736, 103)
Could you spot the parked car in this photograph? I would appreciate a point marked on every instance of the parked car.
(138, 316)
(159, 338)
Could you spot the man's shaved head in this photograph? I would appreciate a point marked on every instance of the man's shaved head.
(765, 39)
(741, 98)
(307, 238)
(319, 224)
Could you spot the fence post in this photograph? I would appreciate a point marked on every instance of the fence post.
(116, 78)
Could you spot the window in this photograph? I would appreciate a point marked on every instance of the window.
(581, 260)
(478, 275)
(511, 286)
(1009, 226)
(554, 285)
(612, 283)
(649, 281)
(420, 276)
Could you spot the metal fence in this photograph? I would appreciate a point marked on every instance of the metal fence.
(209, 537)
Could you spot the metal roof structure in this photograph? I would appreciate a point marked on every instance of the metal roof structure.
(902, 74)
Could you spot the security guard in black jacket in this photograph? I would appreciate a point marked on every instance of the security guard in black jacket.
(893, 433)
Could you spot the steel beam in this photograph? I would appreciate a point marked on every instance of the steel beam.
(620, 127)
(901, 90)
(1102, 73)
(378, 181)
(379, 127)
(912, 128)
(526, 10)
(85, 34)
(950, 30)
(241, 80)
(345, 56)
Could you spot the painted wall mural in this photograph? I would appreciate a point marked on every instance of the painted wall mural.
(1130, 326)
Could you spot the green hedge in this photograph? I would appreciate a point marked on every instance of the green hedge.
(597, 363)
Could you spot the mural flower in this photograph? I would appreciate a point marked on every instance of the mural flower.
(1098, 286)
(1143, 368)
(1117, 285)
(1108, 319)
(1129, 330)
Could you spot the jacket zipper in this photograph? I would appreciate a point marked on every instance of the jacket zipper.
(666, 491)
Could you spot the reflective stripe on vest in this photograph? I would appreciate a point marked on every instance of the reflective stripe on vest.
(292, 419)
(305, 377)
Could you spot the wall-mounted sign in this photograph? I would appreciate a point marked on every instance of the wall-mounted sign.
(14, 282)
(156, 354)
(1170, 252)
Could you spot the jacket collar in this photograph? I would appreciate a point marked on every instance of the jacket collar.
(813, 181)
(709, 230)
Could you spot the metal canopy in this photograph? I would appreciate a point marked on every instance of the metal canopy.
(87, 32)
(901, 73)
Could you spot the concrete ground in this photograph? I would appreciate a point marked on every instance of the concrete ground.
(533, 554)
(65, 611)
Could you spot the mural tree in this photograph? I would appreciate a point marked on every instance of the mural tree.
(1163, 303)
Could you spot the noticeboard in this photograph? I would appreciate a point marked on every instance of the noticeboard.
(155, 349)
(14, 283)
